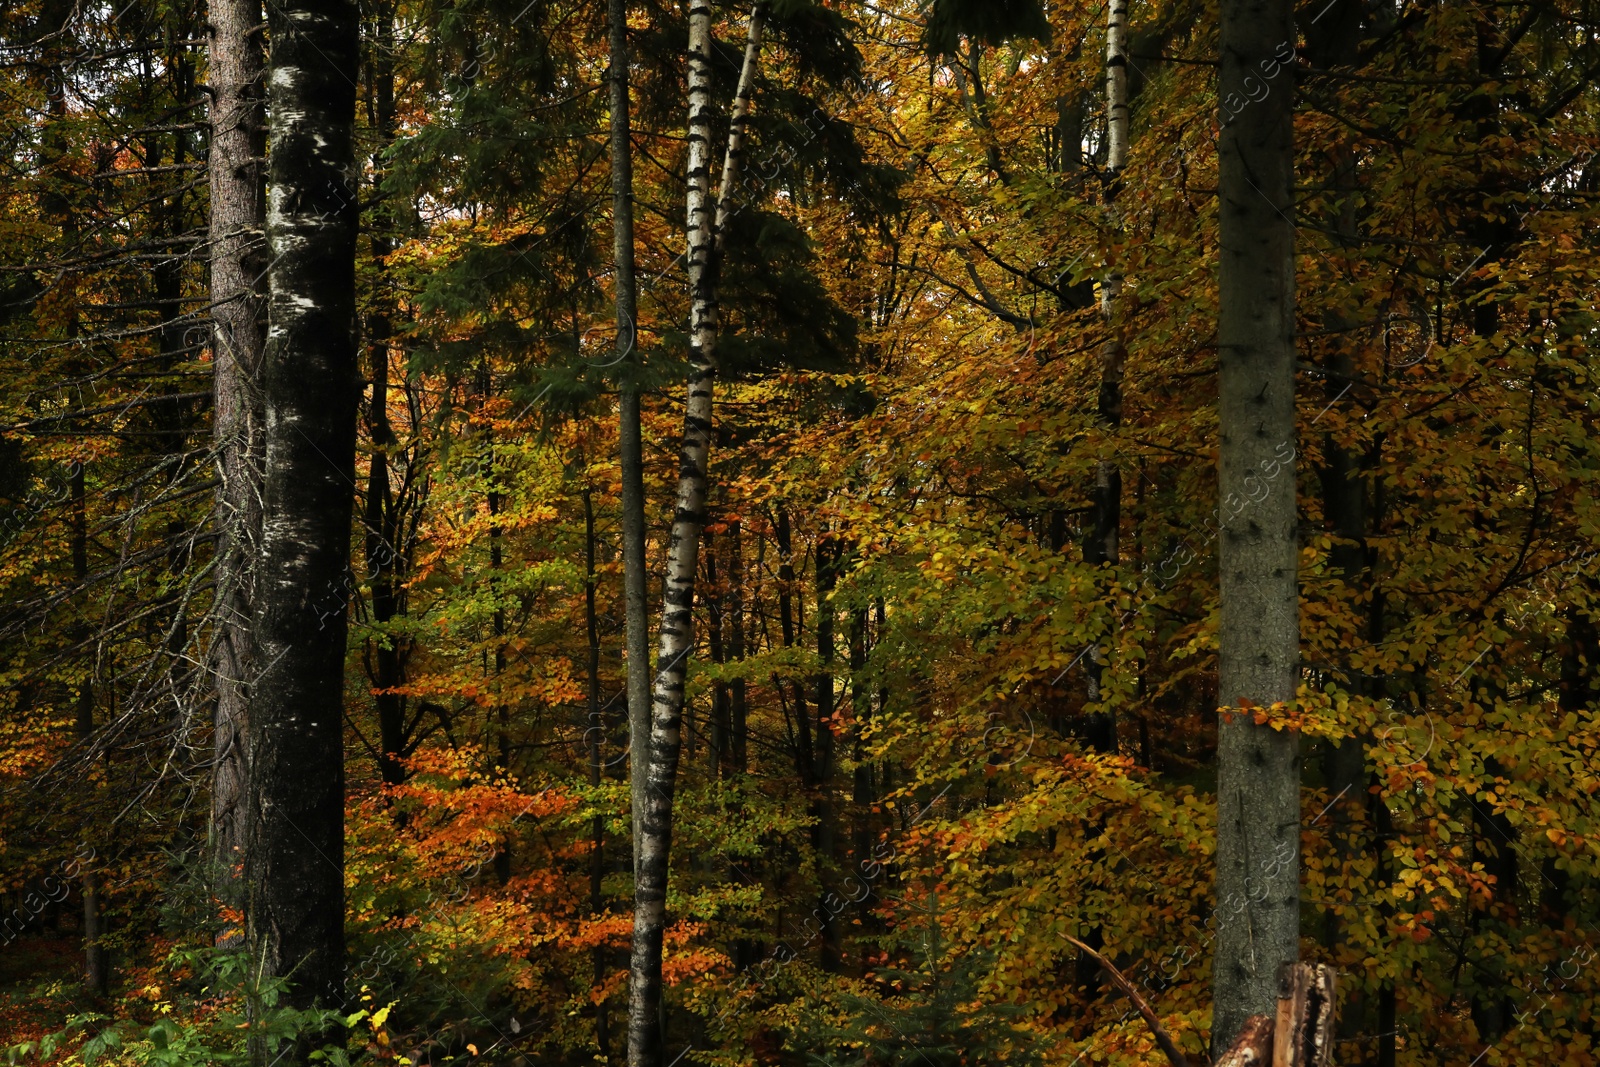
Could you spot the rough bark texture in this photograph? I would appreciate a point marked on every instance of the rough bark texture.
(629, 439)
(295, 863)
(383, 513)
(706, 215)
(238, 212)
(1258, 771)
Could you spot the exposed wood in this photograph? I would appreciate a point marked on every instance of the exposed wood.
(1253, 1046)
(1307, 1003)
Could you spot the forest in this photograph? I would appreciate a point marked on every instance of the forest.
(820, 533)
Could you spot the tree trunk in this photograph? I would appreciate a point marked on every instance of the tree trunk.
(237, 219)
(1333, 41)
(55, 18)
(595, 733)
(383, 523)
(496, 501)
(739, 709)
(863, 796)
(705, 221)
(825, 810)
(295, 862)
(721, 716)
(805, 759)
(1258, 770)
(96, 975)
(629, 436)
(1102, 544)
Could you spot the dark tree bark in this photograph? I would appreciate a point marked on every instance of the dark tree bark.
(804, 757)
(595, 733)
(96, 972)
(630, 446)
(54, 29)
(719, 749)
(1258, 768)
(295, 863)
(383, 516)
(863, 795)
(739, 708)
(1333, 41)
(1102, 543)
(496, 501)
(824, 809)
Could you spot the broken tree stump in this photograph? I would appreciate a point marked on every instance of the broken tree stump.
(1307, 1001)
(1301, 1033)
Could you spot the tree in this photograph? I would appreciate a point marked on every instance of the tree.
(629, 433)
(295, 855)
(707, 218)
(1258, 771)
(237, 190)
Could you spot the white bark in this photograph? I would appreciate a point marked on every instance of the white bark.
(706, 217)
(1117, 86)
(1104, 541)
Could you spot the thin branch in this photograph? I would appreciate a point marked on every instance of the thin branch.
(1164, 1039)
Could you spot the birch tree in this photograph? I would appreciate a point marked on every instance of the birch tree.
(1102, 545)
(1258, 773)
(706, 215)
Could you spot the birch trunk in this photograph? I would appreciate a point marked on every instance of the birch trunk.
(295, 859)
(1102, 546)
(706, 217)
(1258, 770)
